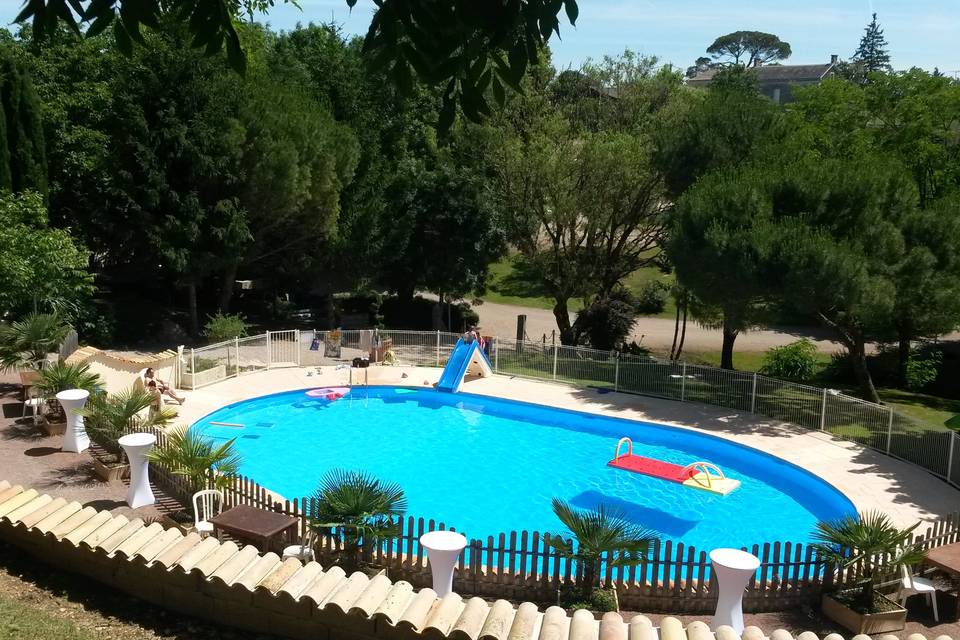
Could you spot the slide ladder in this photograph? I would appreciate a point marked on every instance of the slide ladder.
(702, 475)
(467, 357)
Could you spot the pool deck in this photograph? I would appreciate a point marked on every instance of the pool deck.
(871, 480)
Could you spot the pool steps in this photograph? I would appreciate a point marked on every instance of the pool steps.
(241, 587)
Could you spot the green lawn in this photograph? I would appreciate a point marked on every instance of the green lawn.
(22, 621)
(924, 408)
(510, 286)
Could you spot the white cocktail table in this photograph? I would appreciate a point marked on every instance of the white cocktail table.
(733, 569)
(137, 445)
(75, 436)
(443, 549)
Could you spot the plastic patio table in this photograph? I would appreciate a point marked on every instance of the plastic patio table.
(258, 526)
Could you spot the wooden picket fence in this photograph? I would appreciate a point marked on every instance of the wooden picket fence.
(525, 566)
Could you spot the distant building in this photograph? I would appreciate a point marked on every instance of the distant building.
(777, 80)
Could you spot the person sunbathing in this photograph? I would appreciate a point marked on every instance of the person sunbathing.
(162, 387)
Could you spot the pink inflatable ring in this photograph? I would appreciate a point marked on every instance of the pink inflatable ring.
(330, 393)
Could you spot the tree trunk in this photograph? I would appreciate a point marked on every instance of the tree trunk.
(589, 580)
(903, 356)
(683, 332)
(726, 354)
(676, 332)
(192, 308)
(858, 358)
(562, 314)
(226, 288)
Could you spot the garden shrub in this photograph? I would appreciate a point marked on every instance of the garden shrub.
(602, 600)
(608, 320)
(795, 361)
(652, 299)
(222, 327)
(923, 368)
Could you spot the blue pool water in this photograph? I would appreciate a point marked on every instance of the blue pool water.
(486, 466)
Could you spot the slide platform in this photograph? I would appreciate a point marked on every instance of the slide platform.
(467, 357)
(704, 476)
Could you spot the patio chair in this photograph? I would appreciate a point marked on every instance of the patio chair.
(304, 550)
(909, 585)
(35, 402)
(206, 504)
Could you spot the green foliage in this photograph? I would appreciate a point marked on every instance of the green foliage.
(196, 365)
(110, 416)
(608, 319)
(467, 48)
(872, 55)
(653, 297)
(795, 361)
(923, 368)
(871, 542)
(187, 453)
(749, 48)
(601, 601)
(602, 534)
(358, 505)
(25, 343)
(40, 267)
(23, 163)
(222, 327)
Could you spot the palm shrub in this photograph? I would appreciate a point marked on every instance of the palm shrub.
(25, 343)
(109, 417)
(60, 377)
(871, 542)
(603, 535)
(188, 454)
(359, 507)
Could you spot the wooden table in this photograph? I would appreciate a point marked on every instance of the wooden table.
(255, 525)
(947, 559)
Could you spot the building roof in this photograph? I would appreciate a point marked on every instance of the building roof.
(775, 73)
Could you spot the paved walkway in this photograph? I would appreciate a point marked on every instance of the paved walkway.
(871, 480)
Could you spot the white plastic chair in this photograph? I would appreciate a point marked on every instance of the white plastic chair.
(35, 402)
(206, 504)
(910, 585)
(304, 550)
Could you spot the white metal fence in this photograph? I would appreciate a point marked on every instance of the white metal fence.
(933, 447)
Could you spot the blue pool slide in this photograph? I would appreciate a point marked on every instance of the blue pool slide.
(463, 354)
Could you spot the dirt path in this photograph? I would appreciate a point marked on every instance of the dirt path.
(654, 333)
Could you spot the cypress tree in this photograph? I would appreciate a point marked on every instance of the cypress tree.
(872, 53)
(23, 161)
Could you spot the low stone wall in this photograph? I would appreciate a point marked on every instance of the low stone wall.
(242, 588)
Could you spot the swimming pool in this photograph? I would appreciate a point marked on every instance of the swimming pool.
(487, 465)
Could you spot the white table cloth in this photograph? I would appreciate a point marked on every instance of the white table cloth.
(75, 438)
(137, 445)
(733, 569)
(443, 549)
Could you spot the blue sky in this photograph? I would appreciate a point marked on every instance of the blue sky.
(920, 32)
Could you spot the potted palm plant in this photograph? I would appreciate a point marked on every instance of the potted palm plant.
(24, 344)
(603, 536)
(109, 417)
(875, 548)
(202, 464)
(60, 377)
(360, 508)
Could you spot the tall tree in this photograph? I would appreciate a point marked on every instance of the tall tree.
(23, 162)
(872, 55)
(749, 48)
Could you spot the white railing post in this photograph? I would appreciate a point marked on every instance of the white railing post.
(554, 362)
(683, 381)
(890, 429)
(269, 351)
(236, 347)
(193, 370)
(823, 411)
(616, 372)
(296, 336)
(953, 445)
(178, 370)
(753, 395)
(496, 353)
(438, 347)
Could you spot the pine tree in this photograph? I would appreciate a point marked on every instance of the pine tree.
(23, 161)
(872, 54)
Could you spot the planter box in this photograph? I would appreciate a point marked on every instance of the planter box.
(170, 523)
(201, 378)
(111, 472)
(864, 623)
(54, 428)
